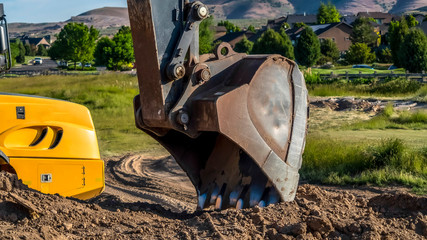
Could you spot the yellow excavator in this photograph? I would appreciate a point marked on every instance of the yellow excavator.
(235, 123)
(50, 144)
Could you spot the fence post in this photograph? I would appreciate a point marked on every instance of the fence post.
(360, 74)
(346, 76)
(423, 75)
(406, 74)
(375, 76)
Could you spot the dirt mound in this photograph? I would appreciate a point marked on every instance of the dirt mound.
(316, 213)
(347, 104)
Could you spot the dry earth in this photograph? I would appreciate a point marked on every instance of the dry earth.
(151, 198)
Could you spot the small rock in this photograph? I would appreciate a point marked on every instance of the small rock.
(271, 233)
(257, 209)
(321, 224)
(257, 218)
(53, 211)
(298, 229)
(68, 226)
(354, 228)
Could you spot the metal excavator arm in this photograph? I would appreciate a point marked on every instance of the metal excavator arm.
(235, 123)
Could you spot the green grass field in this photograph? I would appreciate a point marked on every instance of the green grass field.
(351, 70)
(342, 147)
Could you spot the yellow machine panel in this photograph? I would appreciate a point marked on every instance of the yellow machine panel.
(51, 145)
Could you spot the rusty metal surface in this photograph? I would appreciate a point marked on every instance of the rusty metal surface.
(235, 123)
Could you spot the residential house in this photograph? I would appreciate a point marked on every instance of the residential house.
(380, 17)
(35, 42)
(235, 37)
(219, 31)
(292, 19)
(337, 32)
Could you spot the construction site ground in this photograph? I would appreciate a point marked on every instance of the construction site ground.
(150, 197)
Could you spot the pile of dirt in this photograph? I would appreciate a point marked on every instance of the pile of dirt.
(347, 104)
(316, 213)
(366, 105)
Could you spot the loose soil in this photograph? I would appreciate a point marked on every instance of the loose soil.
(151, 198)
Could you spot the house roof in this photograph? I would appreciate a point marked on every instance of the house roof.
(296, 18)
(349, 19)
(34, 41)
(317, 29)
(423, 27)
(235, 37)
(386, 17)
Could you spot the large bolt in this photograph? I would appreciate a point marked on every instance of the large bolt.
(183, 117)
(201, 12)
(205, 75)
(176, 71)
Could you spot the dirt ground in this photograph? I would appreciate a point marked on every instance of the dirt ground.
(151, 198)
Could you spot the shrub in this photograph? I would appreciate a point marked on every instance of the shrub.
(388, 152)
(400, 85)
(359, 53)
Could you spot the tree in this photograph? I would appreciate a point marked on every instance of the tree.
(75, 42)
(117, 52)
(18, 51)
(300, 24)
(363, 32)
(384, 55)
(206, 36)
(413, 52)
(251, 29)
(359, 53)
(396, 34)
(41, 50)
(307, 50)
(285, 26)
(229, 26)
(103, 51)
(29, 50)
(123, 50)
(327, 13)
(411, 21)
(329, 50)
(244, 46)
(272, 42)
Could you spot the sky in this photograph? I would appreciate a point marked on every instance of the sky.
(38, 11)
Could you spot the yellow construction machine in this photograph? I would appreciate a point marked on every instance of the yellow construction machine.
(50, 144)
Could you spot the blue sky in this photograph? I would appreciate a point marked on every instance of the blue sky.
(36, 11)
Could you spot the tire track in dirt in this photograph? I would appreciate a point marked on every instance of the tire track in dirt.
(141, 178)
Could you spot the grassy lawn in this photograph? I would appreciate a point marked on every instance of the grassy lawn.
(351, 70)
(355, 148)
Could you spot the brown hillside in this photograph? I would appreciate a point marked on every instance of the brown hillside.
(275, 8)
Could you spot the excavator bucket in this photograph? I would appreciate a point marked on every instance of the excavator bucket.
(235, 123)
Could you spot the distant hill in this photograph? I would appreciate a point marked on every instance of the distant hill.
(109, 19)
(106, 19)
(233, 9)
